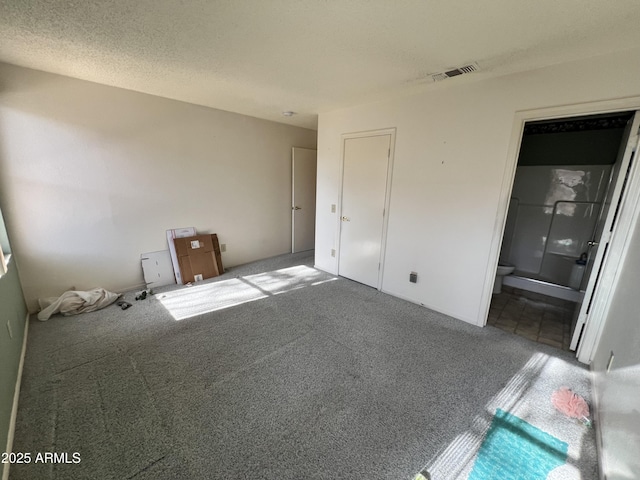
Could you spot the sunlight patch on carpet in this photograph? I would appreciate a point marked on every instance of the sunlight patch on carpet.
(458, 456)
(188, 302)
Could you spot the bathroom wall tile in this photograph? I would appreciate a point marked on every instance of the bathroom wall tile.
(543, 185)
(509, 229)
(529, 237)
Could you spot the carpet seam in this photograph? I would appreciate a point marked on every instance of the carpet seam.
(144, 469)
(232, 375)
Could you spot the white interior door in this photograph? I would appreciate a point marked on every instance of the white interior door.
(364, 188)
(303, 199)
(599, 246)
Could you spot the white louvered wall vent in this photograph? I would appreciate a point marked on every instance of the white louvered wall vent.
(472, 67)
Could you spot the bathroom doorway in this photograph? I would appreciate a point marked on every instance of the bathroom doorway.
(570, 175)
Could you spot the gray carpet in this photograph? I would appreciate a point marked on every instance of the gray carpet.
(292, 374)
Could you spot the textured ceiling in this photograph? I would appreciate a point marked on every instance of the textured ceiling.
(261, 57)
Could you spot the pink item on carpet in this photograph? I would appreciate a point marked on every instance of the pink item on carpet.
(569, 403)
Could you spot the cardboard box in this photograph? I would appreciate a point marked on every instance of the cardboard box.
(216, 249)
(171, 235)
(196, 258)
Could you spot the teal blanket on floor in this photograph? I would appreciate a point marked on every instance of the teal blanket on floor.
(516, 450)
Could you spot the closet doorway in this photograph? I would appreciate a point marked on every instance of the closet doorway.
(366, 180)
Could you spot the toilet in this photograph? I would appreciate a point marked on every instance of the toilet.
(502, 271)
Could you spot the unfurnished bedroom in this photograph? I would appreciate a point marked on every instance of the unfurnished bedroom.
(319, 240)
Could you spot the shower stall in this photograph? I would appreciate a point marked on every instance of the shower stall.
(551, 221)
(561, 192)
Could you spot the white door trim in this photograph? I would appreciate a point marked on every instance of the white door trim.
(387, 196)
(612, 264)
(603, 253)
(522, 116)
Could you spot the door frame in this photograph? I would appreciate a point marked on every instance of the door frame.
(293, 189)
(387, 196)
(603, 252)
(612, 266)
(619, 242)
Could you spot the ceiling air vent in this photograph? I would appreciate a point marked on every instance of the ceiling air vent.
(472, 67)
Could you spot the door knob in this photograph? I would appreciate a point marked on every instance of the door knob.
(593, 243)
(296, 208)
(346, 219)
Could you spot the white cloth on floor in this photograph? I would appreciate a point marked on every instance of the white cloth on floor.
(74, 302)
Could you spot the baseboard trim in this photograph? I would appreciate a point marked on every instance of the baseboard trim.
(430, 307)
(595, 408)
(131, 288)
(16, 397)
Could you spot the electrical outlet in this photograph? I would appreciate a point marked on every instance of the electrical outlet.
(413, 277)
(9, 329)
(223, 247)
(333, 252)
(333, 208)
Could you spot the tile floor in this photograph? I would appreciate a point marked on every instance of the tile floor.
(536, 317)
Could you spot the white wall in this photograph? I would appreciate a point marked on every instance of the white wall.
(91, 177)
(451, 152)
(618, 391)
